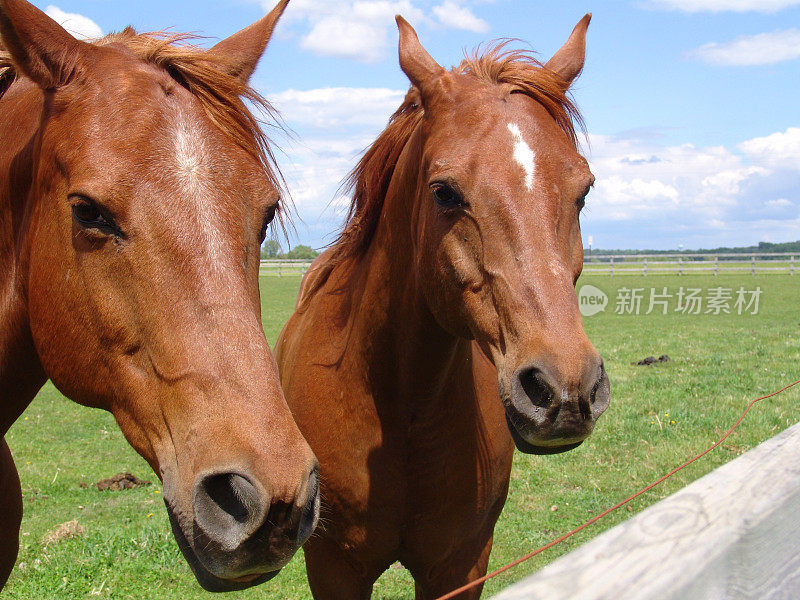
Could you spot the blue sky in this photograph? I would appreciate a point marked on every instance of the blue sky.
(692, 106)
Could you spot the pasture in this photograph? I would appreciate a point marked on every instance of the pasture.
(660, 415)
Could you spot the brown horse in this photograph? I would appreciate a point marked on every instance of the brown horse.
(456, 270)
(135, 189)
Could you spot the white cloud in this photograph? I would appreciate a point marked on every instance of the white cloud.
(358, 30)
(779, 203)
(452, 14)
(334, 127)
(760, 49)
(652, 196)
(78, 25)
(646, 195)
(338, 36)
(362, 29)
(621, 198)
(326, 108)
(693, 6)
(779, 150)
(727, 184)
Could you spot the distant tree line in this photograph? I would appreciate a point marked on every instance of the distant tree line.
(763, 247)
(272, 249)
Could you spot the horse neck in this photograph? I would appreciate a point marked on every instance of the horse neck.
(397, 330)
(21, 374)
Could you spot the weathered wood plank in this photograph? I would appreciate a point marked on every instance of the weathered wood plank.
(733, 534)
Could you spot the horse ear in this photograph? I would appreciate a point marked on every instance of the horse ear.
(415, 61)
(567, 63)
(241, 52)
(40, 48)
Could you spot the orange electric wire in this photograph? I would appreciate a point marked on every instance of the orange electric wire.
(608, 511)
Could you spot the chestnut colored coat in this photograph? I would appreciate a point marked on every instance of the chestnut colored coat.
(453, 279)
(135, 190)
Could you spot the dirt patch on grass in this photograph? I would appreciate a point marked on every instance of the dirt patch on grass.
(120, 481)
(651, 360)
(65, 531)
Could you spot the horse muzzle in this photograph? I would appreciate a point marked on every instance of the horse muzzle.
(237, 537)
(547, 416)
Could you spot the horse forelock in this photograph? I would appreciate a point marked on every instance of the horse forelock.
(515, 71)
(519, 72)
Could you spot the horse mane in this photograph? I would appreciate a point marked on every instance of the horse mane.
(516, 71)
(224, 97)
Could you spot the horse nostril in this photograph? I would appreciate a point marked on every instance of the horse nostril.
(601, 392)
(585, 408)
(539, 392)
(593, 396)
(308, 519)
(228, 507)
(231, 493)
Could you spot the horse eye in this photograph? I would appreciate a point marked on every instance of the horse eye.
(268, 217)
(86, 212)
(581, 202)
(446, 197)
(89, 216)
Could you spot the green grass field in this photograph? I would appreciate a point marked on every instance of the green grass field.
(659, 416)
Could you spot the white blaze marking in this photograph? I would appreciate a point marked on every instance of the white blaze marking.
(523, 155)
(191, 164)
(190, 152)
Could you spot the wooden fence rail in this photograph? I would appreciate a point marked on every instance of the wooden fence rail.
(733, 534)
(629, 264)
(281, 267)
(688, 264)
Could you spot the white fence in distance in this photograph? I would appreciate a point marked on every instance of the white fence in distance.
(690, 264)
(733, 534)
(630, 264)
(280, 267)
